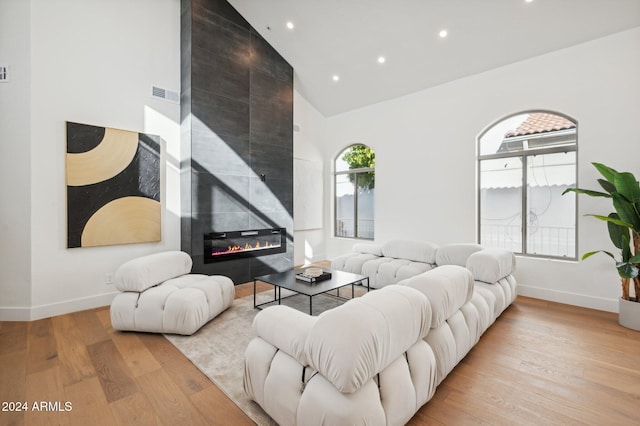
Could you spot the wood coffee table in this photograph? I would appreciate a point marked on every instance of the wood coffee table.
(287, 280)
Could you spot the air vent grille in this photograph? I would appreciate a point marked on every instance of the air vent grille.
(4, 74)
(164, 94)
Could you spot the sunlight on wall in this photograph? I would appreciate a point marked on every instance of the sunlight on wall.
(156, 123)
(308, 252)
(225, 152)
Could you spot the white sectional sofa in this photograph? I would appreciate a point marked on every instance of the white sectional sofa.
(378, 358)
(398, 260)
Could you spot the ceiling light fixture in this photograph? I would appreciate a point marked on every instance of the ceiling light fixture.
(290, 25)
(381, 59)
(336, 77)
(443, 33)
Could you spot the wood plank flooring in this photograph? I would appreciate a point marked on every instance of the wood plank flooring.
(541, 363)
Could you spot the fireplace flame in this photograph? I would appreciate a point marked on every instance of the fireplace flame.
(237, 248)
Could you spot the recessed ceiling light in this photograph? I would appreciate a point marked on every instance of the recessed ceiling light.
(290, 25)
(528, 1)
(381, 59)
(336, 77)
(443, 33)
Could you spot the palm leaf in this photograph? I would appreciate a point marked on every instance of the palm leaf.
(626, 211)
(612, 220)
(607, 186)
(587, 192)
(591, 253)
(619, 235)
(627, 270)
(627, 185)
(608, 173)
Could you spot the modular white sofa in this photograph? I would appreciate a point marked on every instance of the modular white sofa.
(160, 295)
(396, 260)
(376, 359)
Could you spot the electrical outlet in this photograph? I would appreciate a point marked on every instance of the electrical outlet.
(108, 278)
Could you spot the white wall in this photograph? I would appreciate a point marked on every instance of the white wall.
(92, 62)
(15, 152)
(425, 144)
(309, 243)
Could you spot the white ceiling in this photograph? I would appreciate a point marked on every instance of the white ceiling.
(345, 37)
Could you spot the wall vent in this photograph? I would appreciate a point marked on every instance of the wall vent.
(4, 73)
(165, 95)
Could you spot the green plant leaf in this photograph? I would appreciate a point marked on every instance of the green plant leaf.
(619, 235)
(607, 172)
(591, 253)
(627, 270)
(610, 219)
(587, 192)
(635, 259)
(607, 186)
(627, 185)
(627, 211)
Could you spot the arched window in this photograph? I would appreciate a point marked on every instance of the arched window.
(525, 162)
(354, 175)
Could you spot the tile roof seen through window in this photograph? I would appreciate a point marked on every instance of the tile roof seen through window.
(541, 122)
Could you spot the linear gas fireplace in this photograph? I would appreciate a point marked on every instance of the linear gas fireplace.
(220, 246)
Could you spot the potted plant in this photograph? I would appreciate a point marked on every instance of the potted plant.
(624, 230)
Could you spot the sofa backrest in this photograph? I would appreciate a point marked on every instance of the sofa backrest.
(447, 288)
(147, 271)
(490, 265)
(456, 254)
(417, 251)
(368, 248)
(352, 343)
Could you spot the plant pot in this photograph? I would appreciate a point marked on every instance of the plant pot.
(629, 314)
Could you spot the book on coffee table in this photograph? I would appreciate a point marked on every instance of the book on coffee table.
(313, 278)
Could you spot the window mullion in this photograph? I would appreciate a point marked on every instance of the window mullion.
(525, 211)
(355, 206)
(335, 205)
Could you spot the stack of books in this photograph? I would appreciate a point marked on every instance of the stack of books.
(303, 276)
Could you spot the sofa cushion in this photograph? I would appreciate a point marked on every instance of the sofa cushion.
(456, 254)
(390, 271)
(417, 251)
(285, 328)
(179, 306)
(373, 331)
(490, 265)
(447, 288)
(147, 271)
(352, 262)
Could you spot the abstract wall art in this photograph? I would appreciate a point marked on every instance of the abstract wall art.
(113, 186)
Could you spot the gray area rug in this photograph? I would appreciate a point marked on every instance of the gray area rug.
(217, 349)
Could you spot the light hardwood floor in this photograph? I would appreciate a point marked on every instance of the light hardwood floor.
(540, 363)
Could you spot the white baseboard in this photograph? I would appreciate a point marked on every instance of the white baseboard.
(575, 299)
(54, 309)
(75, 305)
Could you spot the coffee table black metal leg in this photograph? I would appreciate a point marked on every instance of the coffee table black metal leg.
(254, 294)
(310, 305)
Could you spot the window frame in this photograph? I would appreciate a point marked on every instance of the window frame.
(356, 172)
(524, 154)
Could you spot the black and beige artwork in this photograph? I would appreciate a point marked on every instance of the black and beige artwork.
(113, 186)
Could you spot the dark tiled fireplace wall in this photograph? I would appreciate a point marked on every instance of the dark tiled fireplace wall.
(237, 136)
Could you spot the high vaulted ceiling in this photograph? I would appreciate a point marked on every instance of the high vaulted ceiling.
(346, 38)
